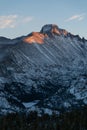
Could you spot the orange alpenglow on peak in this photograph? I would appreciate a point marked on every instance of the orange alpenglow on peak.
(35, 37)
(48, 30)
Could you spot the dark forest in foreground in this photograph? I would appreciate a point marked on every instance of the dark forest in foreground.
(74, 120)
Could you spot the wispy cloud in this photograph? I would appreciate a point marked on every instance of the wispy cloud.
(78, 17)
(8, 21)
(11, 21)
(27, 19)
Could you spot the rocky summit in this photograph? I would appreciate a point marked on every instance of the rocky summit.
(44, 71)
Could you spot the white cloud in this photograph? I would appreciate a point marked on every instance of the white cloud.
(78, 17)
(8, 21)
(11, 21)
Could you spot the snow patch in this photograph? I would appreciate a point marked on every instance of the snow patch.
(30, 104)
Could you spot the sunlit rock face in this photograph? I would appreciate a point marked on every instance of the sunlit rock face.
(43, 70)
(35, 37)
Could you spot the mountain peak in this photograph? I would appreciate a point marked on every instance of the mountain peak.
(53, 29)
(47, 30)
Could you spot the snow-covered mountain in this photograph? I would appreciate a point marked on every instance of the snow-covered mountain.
(43, 71)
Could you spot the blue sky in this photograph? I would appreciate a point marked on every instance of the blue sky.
(20, 17)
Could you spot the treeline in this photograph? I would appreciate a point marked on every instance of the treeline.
(74, 120)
